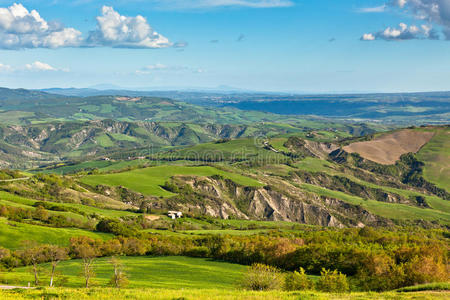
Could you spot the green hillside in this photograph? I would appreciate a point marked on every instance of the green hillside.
(149, 180)
(14, 233)
(436, 155)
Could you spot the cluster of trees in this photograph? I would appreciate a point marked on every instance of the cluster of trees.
(375, 259)
(261, 277)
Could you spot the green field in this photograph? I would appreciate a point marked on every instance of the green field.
(233, 150)
(436, 155)
(148, 181)
(14, 200)
(13, 233)
(146, 272)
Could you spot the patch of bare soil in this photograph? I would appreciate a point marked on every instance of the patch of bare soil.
(388, 148)
(152, 217)
(130, 99)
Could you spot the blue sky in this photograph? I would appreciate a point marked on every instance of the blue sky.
(268, 45)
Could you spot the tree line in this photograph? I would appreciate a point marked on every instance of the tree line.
(375, 259)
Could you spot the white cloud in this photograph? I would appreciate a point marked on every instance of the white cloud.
(39, 66)
(402, 32)
(198, 4)
(430, 11)
(20, 28)
(368, 37)
(115, 30)
(5, 68)
(376, 9)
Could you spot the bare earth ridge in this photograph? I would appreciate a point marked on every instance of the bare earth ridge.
(388, 148)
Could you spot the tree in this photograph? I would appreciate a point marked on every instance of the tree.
(297, 281)
(32, 255)
(86, 249)
(332, 282)
(260, 277)
(54, 254)
(119, 278)
(40, 213)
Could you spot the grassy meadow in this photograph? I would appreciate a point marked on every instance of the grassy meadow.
(176, 272)
(148, 181)
(13, 233)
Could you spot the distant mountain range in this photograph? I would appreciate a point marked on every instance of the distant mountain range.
(229, 108)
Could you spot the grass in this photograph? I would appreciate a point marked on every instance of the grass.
(104, 141)
(278, 144)
(238, 149)
(101, 165)
(13, 233)
(393, 211)
(436, 155)
(311, 164)
(14, 200)
(203, 294)
(148, 181)
(173, 272)
(437, 286)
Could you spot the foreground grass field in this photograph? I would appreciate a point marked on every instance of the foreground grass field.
(145, 272)
(148, 181)
(210, 294)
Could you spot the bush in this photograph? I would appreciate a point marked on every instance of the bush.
(297, 281)
(332, 282)
(260, 277)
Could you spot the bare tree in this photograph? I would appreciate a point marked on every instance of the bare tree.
(119, 278)
(32, 255)
(54, 254)
(86, 249)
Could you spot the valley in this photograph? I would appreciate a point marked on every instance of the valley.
(252, 188)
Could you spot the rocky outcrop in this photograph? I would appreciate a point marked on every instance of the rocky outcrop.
(225, 199)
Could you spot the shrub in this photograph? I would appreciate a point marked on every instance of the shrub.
(297, 281)
(332, 282)
(260, 277)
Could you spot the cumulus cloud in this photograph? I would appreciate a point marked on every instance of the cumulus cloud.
(115, 30)
(40, 66)
(5, 68)
(20, 28)
(430, 13)
(196, 4)
(403, 32)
